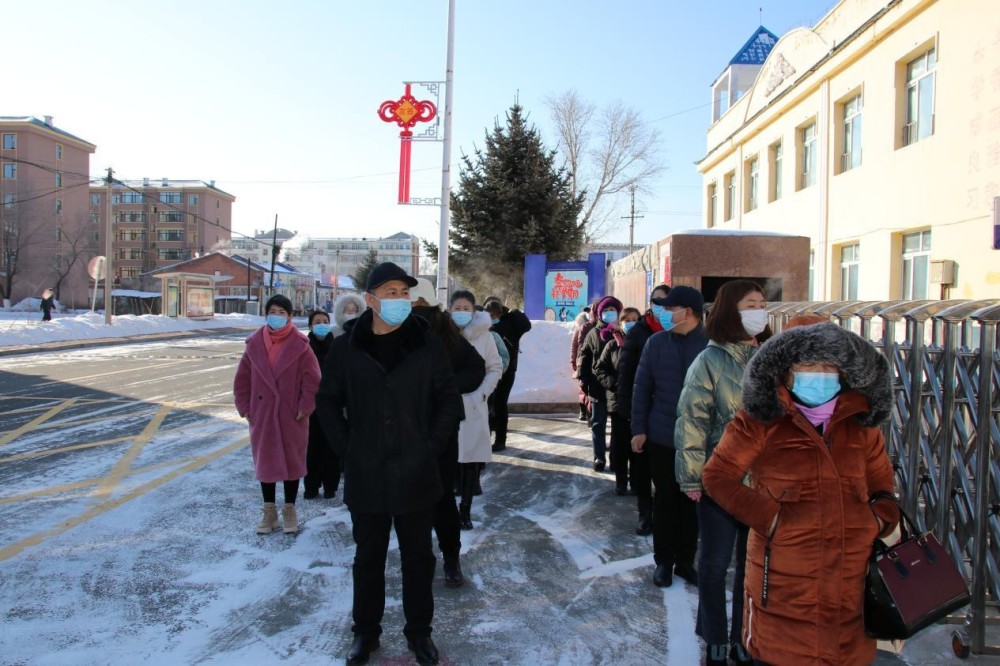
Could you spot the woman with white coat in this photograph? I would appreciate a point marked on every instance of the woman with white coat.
(474, 448)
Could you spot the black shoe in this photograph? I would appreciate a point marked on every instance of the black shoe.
(464, 517)
(687, 572)
(645, 525)
(715, 655)
(740, 656)
(329, 493)
(499, 446)
(621, 490)
(311, 493)
(361, 649)
(662, 576)
(423, 649)
(599, 465)
(452, 572)
(584, 418)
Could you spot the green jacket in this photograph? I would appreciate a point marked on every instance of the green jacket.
(711, 397)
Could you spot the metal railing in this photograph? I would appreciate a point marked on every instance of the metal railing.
(944, 432)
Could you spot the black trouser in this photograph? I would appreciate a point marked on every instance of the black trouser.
(416, 553)
(642, 481)
(499, 414)
(322, 464)
(446, 513)
(621, 448)
(270, 490)
(675, 520)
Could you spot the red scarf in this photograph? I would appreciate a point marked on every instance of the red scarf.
(274, 339)
(653, 323)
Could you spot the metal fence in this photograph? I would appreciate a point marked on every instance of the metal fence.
(944, 433)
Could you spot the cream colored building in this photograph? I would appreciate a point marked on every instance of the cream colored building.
(876, 133)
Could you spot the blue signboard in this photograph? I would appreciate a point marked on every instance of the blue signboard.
(565, 294)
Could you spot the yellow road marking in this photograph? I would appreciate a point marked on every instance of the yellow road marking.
(74, 380)
(124, 464)
(35, 539)
(13, 434)
(64, 449)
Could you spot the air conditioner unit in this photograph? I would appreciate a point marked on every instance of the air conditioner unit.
(942, 272)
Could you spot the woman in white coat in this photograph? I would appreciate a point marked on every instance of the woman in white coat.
(474, 448)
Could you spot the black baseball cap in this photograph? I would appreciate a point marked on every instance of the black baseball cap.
(387, 271)
(682, 297)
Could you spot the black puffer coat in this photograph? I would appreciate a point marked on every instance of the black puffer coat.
(628, 361)
(606, 373)
(389, 426)
(512, 326)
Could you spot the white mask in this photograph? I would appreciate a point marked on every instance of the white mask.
(754, 321)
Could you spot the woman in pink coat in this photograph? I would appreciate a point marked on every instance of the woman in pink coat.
(275, 391)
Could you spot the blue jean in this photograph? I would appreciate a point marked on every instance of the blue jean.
(599, 428)
(719, 533)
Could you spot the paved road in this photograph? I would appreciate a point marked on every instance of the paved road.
(127, 536)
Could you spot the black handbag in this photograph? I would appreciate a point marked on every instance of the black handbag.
(911, 584)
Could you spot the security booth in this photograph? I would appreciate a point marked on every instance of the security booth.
(189, 295)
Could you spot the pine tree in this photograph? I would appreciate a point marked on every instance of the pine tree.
(511, 201)
(367, 264)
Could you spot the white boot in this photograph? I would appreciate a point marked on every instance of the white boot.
(270, 520)
(290, 519)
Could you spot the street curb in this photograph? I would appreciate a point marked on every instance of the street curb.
(542, 407)
(68, 345)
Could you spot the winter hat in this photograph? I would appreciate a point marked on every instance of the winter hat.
(424, 290)
(281, 301)
(387, 271)
(863, 367)
(606, 303)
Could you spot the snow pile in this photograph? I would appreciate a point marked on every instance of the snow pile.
(543, 372)
(21, 330)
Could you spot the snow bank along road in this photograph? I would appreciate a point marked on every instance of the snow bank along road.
(127, 536)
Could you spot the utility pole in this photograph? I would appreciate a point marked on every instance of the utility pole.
(442, 276)
(631, 217)
(274, 258)
(108, 264)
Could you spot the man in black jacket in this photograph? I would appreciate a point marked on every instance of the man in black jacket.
(628, 362)
(511, 325)
(388, 399)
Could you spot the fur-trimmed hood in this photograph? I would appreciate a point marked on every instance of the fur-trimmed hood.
(863, 369)
(341, 304)
(480, 325)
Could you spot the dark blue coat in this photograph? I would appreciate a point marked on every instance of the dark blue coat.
(658, 382)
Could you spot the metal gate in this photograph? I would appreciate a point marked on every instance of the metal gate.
(944, 433)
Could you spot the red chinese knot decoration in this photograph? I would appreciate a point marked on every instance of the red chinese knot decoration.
(406, 112)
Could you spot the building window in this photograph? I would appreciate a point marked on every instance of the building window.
(132, 235)
(58, 179)
(58, 206)
(920, 76)
(850, 265)
(132, 198)
(713, 204)
(851, 156)
(129, 271)
(753, 174)
(808, 171)
(916, 260)
(171, 197)
(95, 218)
(58, 233)
(9, 141)
(172, 216)
(170, 235)
(131, 216)
(178, 254)
(730, 206)
(9, 171)
(95, 199)
(58, 151)
(95, 236)
(193, 200)
(774, 153)
(8, 201)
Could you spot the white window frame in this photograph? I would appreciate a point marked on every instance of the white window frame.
(713, 203)
(807, 173)
(925, 79)
(850, 271)
(729, 205)
(753, 182)
(777, 153)
(58, 178)
(850, 157)
(9, 200)
(59, 151)
(911, 259)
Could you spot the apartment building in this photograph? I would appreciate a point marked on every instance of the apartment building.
(46, 238)
(876, 133)
(157, 223)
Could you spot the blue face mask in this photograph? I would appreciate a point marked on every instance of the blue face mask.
(461, 318)
(609, 316)
(664, 316)
(394, 310)
(321, 330)
(276, 322)
(815, 388)
(494, 321)
(628, 326)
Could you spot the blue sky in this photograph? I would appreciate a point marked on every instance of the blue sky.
(277, 102)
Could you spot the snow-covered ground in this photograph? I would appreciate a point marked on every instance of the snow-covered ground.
(543, 372)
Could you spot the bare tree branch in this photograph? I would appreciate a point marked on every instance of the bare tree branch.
(627, 152)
